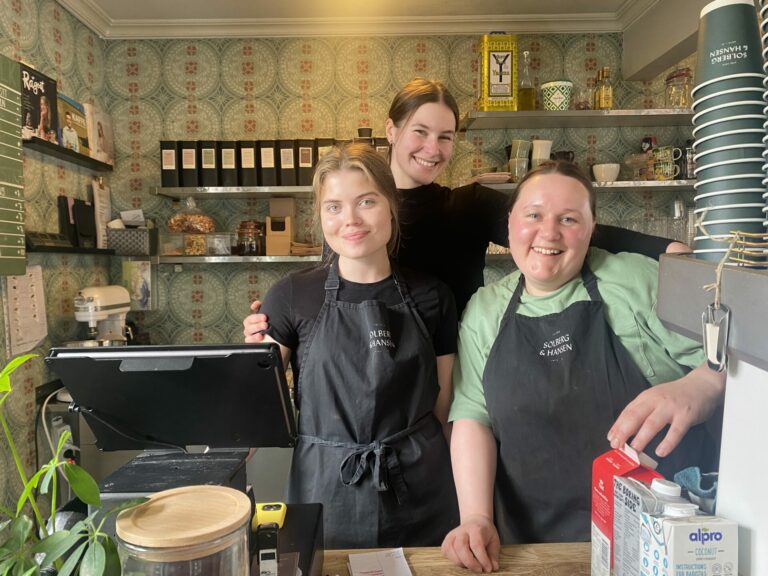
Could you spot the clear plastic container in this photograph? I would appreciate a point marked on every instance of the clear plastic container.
(189, 531)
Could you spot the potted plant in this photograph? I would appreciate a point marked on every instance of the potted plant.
(82, 549)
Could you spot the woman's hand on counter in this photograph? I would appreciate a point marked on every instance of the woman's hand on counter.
(681, 404)
(255, 324)
(474, 544)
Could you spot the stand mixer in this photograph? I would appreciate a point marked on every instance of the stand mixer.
(104, 309)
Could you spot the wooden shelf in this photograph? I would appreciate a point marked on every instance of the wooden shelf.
(51, 149)
(575, 119)
(235, 192)
(640, 185)
(234, 259)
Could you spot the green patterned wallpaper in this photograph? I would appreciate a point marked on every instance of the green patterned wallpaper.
(249, 89)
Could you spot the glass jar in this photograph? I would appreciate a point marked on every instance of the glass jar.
(677, 91)
(250, 238)
(186, 531)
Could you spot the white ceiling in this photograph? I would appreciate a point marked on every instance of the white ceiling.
(116, 19)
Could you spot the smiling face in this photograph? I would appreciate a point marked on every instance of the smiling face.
(355, 217)
(422, 145)
(550, 226)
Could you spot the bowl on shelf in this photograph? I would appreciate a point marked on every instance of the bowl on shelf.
(606, 172)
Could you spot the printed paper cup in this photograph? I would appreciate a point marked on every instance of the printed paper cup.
(729, 137)
(739, 212)
(730, 152)
(709, 113)
(725, 96)
(728, 197)
(721, 183)
(740, 122)
(728, 40)
(750, 79)
(706, 170)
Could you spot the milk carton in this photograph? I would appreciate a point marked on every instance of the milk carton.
(688, 546)
(631, 498)
(623, 463)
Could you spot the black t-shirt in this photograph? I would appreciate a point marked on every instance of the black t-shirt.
(446, 233)
(293, 303)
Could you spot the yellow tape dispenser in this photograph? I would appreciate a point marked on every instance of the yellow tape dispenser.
(268, 513)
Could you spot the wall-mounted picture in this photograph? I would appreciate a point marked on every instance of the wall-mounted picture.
(100, 134)
(38, 105)
(73, 128)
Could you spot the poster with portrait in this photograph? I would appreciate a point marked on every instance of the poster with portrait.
(100, 138)
(73, 129)
(39, 116)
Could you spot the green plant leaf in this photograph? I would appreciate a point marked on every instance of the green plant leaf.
(21, 528)
(5, 375)
(83, 484)
(30, 485)
(56, 545)
(94, 560)
(4, 524)
(31, 571)
(111, 559)
(71, 563)
(49, 472)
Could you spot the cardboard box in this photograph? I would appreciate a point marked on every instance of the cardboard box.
(279, 235)
(626, 463)
(282, 207)
(631, 498)
(695, 545)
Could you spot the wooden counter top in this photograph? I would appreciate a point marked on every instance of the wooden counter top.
(515, 560)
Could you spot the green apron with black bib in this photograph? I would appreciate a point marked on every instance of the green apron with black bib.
(554, 385)
(370, 448)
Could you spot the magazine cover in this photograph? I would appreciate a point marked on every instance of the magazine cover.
(99, 134)
(73, 131)
(38, 105)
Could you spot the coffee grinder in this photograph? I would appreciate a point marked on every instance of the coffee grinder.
(104, 308)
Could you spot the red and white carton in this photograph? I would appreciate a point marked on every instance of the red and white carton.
(627, 463)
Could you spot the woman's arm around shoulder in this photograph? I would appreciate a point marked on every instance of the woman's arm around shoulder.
(617, 240)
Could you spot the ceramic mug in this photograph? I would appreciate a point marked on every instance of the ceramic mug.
(665, 170)
(666, 154)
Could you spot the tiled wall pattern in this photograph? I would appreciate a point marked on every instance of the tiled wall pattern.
(263, 88)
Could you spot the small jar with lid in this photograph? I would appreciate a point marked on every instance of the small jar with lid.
(250, 238)
(677, 89)
(186, 532)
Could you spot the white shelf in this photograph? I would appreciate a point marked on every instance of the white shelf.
(235, 192)
(640, 185)
(234, 259)
(576, 119)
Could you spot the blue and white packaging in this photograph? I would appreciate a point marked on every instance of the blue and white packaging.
(691, 545)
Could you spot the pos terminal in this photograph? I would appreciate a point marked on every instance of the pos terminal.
(166, 399)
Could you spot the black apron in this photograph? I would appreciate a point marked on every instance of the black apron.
(370, 448)
(554, 385)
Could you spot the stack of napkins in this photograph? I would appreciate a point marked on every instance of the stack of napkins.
(381, 563)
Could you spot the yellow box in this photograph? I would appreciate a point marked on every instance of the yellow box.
(498, 72)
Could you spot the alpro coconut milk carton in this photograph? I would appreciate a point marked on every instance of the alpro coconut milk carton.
(688, 546)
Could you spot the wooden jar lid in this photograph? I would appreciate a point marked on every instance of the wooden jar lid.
(184, 516)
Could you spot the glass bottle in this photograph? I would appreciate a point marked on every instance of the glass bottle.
(605, 91)
(596, 91)
(526, 94)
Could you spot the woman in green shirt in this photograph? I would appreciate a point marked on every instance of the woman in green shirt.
(554, 357)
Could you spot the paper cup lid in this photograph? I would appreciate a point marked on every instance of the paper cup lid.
(665, 487)
(184, 517)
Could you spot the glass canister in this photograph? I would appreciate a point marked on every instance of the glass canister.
(677, 88)
(250, 238)
(188, 531)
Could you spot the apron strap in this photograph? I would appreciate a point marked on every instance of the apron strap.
(589, 280)
(405, 294)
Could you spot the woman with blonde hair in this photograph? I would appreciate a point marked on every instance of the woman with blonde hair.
(371, 346)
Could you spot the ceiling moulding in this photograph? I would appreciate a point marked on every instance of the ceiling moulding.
(632, 11)
(301, 27)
